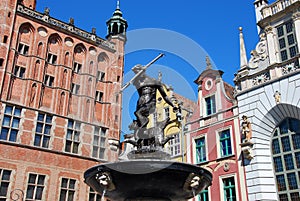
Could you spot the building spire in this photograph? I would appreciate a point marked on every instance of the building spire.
(243, 56)
(118, 4)
(116, 25)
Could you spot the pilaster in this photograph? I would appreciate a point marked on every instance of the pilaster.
(272, 47)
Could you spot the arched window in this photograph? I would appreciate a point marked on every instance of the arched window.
(286, 159)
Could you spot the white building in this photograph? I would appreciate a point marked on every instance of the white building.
(268, 93)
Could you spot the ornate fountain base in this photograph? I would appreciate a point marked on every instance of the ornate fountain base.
(148, 179)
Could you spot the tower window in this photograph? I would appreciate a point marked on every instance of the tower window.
(1, 62)
(75, 88)
(77, 67)
(49, 80)
(5, 39)
(19, 71)
(99, 96)
(100, 76)
(52, 58)
(23, 49)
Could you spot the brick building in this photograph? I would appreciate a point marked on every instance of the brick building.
(59, 101)
(213, 138)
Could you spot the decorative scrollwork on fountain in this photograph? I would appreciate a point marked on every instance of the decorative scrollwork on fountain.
(17, 194)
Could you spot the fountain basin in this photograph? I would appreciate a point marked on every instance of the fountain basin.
(148, 180)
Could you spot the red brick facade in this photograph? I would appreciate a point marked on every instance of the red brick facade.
(59, 101)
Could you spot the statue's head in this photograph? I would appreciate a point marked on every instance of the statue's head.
(137, 68)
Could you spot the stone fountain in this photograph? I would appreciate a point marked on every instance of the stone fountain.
(148, 173)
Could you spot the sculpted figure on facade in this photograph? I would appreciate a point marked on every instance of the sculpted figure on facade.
(246, 129)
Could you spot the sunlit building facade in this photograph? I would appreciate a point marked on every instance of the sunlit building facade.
(268, 93)
(213, 138)
(59, 102)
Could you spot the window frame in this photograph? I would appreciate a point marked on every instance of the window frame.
(6, 181)
(10, 127)
(44, 123)
(175, 145)
(73, 141)
(213, 105)
(221, 183)
(68, 189)
(218, 132)
(203, 136)
(284, 39)
(35, 186)
(99, 146)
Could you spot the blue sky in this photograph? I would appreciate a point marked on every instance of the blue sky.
(185, 31)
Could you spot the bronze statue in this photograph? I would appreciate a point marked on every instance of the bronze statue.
(147, 88)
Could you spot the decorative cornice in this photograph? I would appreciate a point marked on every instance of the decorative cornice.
(45, 18)
(296, 16)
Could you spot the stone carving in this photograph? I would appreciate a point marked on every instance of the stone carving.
(192, 182)
(246, 129)
(289, 68)
(262, 78)
(277, 97)
(260, 53)
(105, 181)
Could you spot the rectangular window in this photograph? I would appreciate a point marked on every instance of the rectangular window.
(52, 58)
(4, 184)
(35, 187)
(174, 145)
(229, 189)
(99, 96)
(49, 80)
(5, 37)
(200, 150)
(94, 196)
(19, 71)
(99, 142)
(77, 67)
(67, 189)
(281, 186)
(225, 143)
(210, 105)
(1, 62)
(10, 123)
(42, 130)
(287, 41)
(203, 195)
(75, 88)
(100, 76)
(72, 138)
(23, 49)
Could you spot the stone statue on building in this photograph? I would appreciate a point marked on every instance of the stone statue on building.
(246, 129)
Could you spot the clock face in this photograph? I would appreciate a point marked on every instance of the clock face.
(208, 84)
